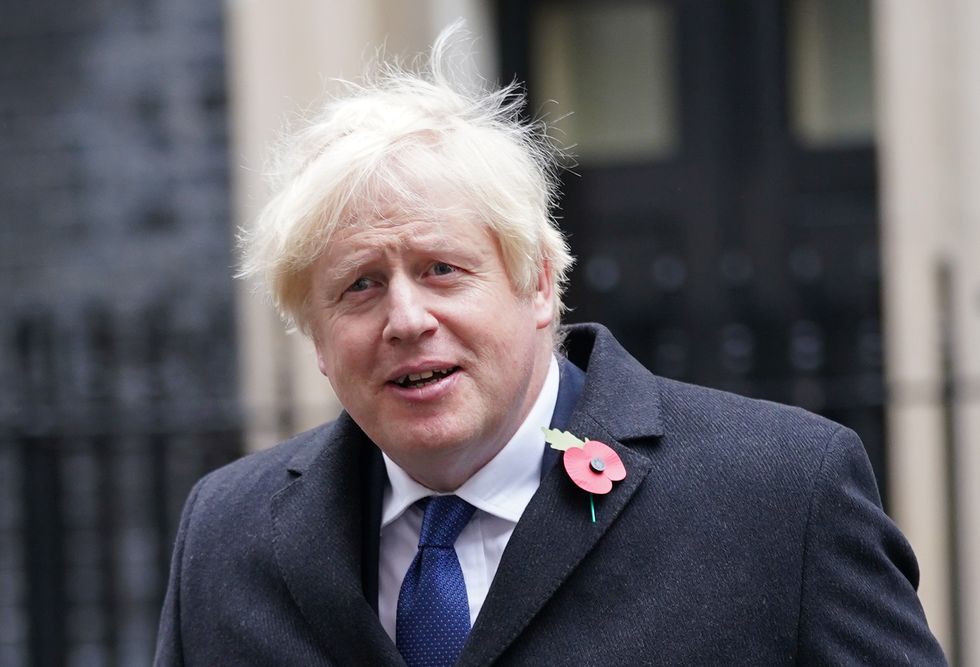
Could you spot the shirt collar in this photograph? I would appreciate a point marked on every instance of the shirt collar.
(504, 486)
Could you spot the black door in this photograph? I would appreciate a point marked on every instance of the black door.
(723, 209)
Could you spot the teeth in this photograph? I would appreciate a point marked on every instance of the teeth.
(424, 375)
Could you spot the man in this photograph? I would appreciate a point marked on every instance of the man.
(432, 523)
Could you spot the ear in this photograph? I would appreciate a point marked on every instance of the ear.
(543, 298)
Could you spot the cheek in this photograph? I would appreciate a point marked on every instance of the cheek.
(322, 358)
(329, 353)
(331, 362)
(339, 375)
(350, 354)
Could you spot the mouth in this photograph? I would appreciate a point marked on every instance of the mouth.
(423, 378)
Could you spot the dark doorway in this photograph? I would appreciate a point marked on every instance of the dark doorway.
(724, 205)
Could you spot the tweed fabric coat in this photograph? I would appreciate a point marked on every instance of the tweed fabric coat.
(745, 533)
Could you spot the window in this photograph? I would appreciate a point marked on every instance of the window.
(611, 68)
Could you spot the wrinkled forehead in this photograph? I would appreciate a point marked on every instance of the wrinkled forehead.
(357, 246)
(412, 189)
(400, 230)
(432, 226)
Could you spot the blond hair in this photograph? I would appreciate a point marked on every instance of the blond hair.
(385, 143)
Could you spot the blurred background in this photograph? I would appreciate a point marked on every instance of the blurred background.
(777, 197)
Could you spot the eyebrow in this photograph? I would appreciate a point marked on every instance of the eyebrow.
(351, 263)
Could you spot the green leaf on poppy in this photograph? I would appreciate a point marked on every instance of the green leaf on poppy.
(561, 440)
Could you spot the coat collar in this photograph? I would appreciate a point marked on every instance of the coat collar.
(620, 394)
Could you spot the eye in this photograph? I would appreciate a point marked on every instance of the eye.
(442, 269)
(360, 285)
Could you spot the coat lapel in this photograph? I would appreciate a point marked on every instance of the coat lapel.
(556, 531)
(319, 545)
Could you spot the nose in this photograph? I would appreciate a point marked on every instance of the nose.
(408, 316)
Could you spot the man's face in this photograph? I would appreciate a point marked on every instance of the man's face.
(425, 342)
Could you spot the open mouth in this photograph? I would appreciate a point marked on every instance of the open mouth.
(416, 380)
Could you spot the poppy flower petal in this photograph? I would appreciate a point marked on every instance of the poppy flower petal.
(577, 464)
(615, 470)
(599, 485)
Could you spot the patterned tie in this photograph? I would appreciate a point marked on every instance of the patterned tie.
(433, 611)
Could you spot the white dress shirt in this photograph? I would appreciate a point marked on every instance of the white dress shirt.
(500, 491)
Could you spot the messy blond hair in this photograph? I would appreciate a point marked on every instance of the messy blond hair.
(388, 140)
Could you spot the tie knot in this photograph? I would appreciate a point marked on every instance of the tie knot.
(445, 517)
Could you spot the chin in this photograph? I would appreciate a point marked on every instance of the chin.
(426, 441)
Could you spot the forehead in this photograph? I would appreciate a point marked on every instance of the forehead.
(403, 233)
(357, 246)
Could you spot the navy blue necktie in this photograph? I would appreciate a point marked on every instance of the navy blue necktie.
(433, 610)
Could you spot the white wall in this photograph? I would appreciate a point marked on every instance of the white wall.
(928, 74)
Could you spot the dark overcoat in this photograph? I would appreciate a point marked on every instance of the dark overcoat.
(744, 533)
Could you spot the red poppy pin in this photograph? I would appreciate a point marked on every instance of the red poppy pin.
(592, 465)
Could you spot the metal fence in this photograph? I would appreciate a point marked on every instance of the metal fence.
(107, 420)
(117, 354)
